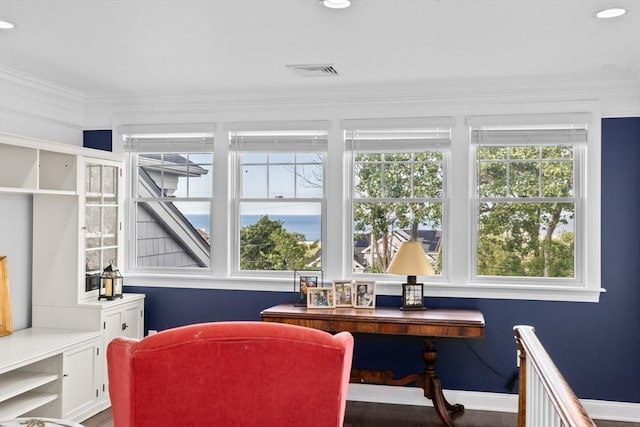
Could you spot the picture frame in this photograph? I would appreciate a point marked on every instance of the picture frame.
(6, 324)
(302, 280)
(343, 293)
(321, 297)
(364, 294)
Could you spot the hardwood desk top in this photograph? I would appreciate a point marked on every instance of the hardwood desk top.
(438, 322)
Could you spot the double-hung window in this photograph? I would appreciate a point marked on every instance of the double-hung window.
(279, 196)
(529, 211)
(398, 189)
(171, 199)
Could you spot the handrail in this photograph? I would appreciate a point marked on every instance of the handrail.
(566, 404)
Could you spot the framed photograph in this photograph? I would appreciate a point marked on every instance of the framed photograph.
(303, 280)
(321, 298)
(343, 293)
(6, 325)
(364, 294)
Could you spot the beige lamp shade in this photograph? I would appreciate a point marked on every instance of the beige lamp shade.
(410, 260)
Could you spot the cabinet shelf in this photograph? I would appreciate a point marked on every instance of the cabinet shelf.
(24, 403)
(18, 382)
(27, 190)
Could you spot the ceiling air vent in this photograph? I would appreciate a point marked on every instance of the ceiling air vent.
(314, 70)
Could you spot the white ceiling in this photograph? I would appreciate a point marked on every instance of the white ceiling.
(124, 47)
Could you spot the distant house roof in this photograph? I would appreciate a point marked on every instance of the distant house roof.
(165, 237)
(430, 240)
(166, 170)
(171, 162)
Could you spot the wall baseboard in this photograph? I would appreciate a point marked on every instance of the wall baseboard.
(500, 402)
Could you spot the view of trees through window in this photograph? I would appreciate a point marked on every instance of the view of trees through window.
(523, 213)
(267, 245)
(526, 211)
(397, 197)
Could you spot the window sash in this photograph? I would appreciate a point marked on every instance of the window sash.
(191, 251)
(534, 133)
(296, 138)
(385, 136)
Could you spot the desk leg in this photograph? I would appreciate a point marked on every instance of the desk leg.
(433, 387)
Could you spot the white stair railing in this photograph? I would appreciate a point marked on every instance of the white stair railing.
(545, 398)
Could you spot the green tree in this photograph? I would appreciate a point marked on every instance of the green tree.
(266, 245)
(518, 230)
(395, 179)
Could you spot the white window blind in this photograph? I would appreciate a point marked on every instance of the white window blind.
(279, 136)
(188, 138)
(561, 129)
(405, 135)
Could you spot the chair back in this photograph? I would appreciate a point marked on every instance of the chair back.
(230, 374)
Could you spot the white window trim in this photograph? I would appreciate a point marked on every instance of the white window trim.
(586, 287)
(459, 190)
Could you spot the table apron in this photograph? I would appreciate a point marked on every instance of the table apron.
(384, 328)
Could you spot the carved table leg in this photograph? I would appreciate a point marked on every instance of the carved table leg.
(433, 387)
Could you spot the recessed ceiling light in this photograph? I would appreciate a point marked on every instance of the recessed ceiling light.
(6, 25)
(336, 4)
(612, 12)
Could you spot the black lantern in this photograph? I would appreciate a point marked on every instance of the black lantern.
(110, 283)
(412, 296)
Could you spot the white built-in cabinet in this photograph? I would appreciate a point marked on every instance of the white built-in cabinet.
(48, 372)
(77, 231)
(80, 363)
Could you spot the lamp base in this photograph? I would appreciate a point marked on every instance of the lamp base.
(412, 296)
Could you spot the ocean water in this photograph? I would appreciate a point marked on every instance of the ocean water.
(307, 225)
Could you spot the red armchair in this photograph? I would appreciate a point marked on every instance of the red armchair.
(230, 374)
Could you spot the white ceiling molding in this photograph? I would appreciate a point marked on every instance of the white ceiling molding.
(36, 87)
(33, 107)
(623, 89)
(619, 94)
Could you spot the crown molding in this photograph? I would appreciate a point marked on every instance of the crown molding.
(37, 107)
(619, 92)
(41, 90)
(603, 86)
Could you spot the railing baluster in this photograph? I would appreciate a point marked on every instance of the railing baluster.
(545, 397)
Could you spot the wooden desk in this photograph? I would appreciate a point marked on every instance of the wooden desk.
(427, 324)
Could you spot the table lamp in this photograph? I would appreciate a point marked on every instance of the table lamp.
(412, 261)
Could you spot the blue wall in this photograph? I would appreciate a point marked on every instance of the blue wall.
(596, 346)
(98, 139)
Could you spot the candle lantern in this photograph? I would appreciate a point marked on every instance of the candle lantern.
(111, 282)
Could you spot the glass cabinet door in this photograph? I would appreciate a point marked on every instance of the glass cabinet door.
(101, 220)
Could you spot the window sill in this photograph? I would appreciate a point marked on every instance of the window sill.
(446, 290)
(516, 292)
